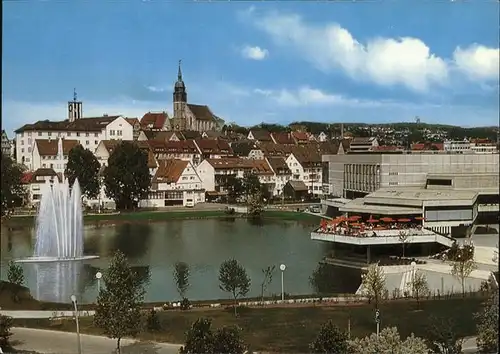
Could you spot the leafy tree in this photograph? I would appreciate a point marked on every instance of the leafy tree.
(228, 340)
(321, 280)
(234, 187)
(153, 322)
(487, 325)
(331, 339)
(6, 323)
(181, 278)
(387, 342)
(255, 205)
(419, 286)
(118, 311)
(15, 275)
(233, 279)
(442, 336)
(126, 177)
(373, 283)
(13, 191)
(461, 269)
(403, 237)
(251, 184)
(83, 164)
(201, 339)
(268, 278)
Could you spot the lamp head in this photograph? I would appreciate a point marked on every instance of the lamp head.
(73, 298)
(98, 275)
(282, 267)
(413, 264)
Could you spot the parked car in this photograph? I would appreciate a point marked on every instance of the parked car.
(315, 209)
(189, 203)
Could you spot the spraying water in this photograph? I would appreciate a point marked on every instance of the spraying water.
(59, 230)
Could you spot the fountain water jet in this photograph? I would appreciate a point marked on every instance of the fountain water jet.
(59, 226)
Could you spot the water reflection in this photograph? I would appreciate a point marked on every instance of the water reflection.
(55, 281)
(132, 239)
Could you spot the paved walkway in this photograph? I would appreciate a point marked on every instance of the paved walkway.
(55, 342)
(43, 314)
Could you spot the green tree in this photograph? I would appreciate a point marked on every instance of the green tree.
(118, 311)
(255, 205)
(83, 164)
(322, 279)
(419, 286)
(251, 184)
(13, 191)
(373, 283)
(442, 336)
(201, 339)
(15, 275)
(181, 278)
(487, 325)
(153, 322)
(462, 269)
(6, 323)
(126, 177)
(234, 188)
(388, 342)
(330, 339)
(268, 278)
(234, 279)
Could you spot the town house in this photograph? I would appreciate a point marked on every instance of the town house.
(175, 182)
(213, 148)
(282, 174)
(51, 154)
(181, 150)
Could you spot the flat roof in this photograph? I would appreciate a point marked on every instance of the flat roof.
(423, 194)
(358, 206)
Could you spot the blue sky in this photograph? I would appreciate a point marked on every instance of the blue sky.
(253, 62)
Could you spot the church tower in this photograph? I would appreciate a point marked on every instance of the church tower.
(75, 109)
(180, 101)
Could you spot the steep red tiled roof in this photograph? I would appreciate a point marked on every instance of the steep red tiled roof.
(271, 149)
(260, 167)
(49, 147)
(201, 112)
(169, 171)
(427, 146)
(43, 172)
(110, 145)
(213, 146)
(154, 120)
(26, 178)
(300, 136)
(283, 138)
(133, 121)
(189, 134)
(94, 124)
(261, 135)
(279, 166)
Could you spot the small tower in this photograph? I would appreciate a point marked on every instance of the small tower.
(180, 100)
(75, 108)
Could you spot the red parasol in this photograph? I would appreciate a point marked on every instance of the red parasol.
(370, 220)
(354, 218)
(379, 228)
(356, 224)
(419, 218)
(387, 219)
(404, 220)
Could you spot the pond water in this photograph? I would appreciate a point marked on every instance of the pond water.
(203, 244)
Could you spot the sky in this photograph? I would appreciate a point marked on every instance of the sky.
(254, 61)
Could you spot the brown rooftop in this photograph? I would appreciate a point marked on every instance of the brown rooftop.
(154, 120)
(49, 147)
(169, 171)
(201, 112)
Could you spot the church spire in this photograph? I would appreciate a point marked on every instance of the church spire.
(179, 73)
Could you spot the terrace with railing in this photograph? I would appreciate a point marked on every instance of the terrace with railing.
(355, 230)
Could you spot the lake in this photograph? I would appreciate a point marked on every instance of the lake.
(203, 244)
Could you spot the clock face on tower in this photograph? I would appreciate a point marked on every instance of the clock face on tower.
(70, 108)
(177, 126)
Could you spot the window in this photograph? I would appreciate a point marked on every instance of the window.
(96, 142)
(78, 134)
(96, 134)
(29, 141)
(438, 182)
(393, 183)
(22, 142)
(69, 133)
(22, 150)
(119, 133)
(87, 134)
(111, 132)
(29, 133)
(29, 150)
(49, 133)
(86, 142)
(39, 133)
(27, 159)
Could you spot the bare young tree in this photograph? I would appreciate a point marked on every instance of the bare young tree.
(233, 278)
(181, 278)
(373, 283)
(268, 278)
(462, 269)
(403, 237)
(419, 286)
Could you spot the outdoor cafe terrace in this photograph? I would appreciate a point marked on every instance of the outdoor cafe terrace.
(354, 226)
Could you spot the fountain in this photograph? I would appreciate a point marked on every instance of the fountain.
(59, 226)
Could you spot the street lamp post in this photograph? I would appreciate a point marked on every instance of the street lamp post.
(98, 276)
(377, 320)
(412, 264)
(282, 268)
(73, 299)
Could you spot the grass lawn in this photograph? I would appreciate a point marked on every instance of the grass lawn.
(173, 215)
(292, 329)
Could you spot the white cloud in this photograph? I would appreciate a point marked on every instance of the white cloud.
(254, 53)
(402, 61)
(157, 89)
(478, 62)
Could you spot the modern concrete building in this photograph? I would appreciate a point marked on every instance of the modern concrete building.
(445, 192)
